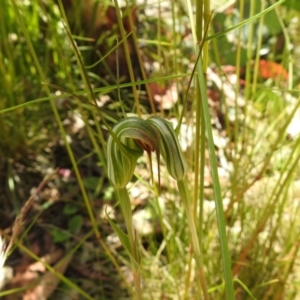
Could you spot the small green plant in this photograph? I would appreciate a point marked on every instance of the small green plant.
(135, 135)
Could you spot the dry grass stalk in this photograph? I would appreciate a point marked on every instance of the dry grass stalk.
(17, 225)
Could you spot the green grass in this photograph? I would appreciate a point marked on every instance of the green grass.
(241, 200)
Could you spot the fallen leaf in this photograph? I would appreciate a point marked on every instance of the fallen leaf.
(271, 69)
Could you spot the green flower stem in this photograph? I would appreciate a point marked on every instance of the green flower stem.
(124, 200)
(177, 167)
(183, 190)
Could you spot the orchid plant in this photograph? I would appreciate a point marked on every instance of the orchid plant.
(131, 137)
